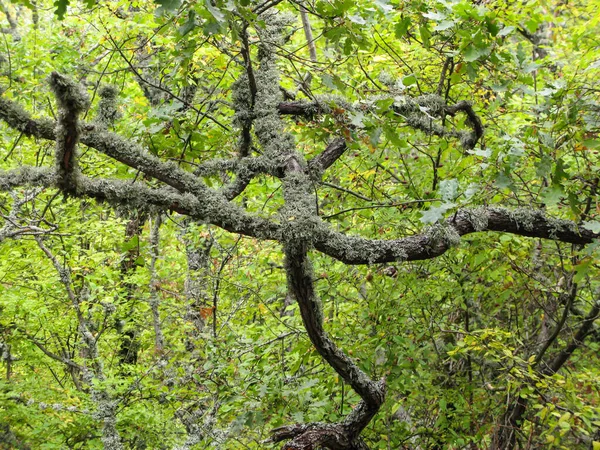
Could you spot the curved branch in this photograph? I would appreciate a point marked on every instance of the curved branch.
(418, 112)
(584, 330)
(440, 238)
(344, 435)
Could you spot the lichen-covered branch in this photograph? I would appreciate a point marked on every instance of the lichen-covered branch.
(108, 111)
(299, 225)
(72, 100)
(438, 239)
(419, 113)
(196, 282)
(346, 248)
(209, 209)
(111, 144)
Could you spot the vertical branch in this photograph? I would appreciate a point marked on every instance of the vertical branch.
(108, 111)
(246, 96)
(248, 64)
(300, 218)
(129, 345)
(154, 298)
(72, 101)
(310, 42)
(197, 255)
(442, 81)
(93, 371)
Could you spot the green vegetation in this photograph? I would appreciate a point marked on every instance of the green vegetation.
(299, 225)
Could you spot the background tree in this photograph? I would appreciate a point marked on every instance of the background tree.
(299, 225)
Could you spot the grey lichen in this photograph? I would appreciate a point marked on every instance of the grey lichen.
(478, 218)
(108, 111)
(26, 175)
(242, 101)
(443, 234)
(467, 140)
(71, 96)
(299, 220)
(72, 100)
(357, 248)
(556, 226)
(19, 119)
(524, 217)
(329, 102)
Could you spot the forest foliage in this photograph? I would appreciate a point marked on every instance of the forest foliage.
(299, 224)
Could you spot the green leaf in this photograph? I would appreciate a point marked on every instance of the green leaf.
(409, 80)
(448, 189)
(357, 119)
(374, 136)
(189, 24)
(473, 53)
(384, 5)
(425, 34)
(327, 80)
(384, 105)
(131, 244)
(559, 172)
(401, 27)
(435, 15)
(591, 225)
(444, 25)
(553, 195)
(216, 12)
(582, 269)
(435, 213)
(167, 5)
(357, 19)
(492, 26)
(61, 8)
(506, 31)
(593, 144)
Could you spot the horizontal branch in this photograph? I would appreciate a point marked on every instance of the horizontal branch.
(438, 239)
(209, 208)
(135, 156)
(418, 112)
(349, 249)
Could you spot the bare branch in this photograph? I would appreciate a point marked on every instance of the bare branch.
(584, 330)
